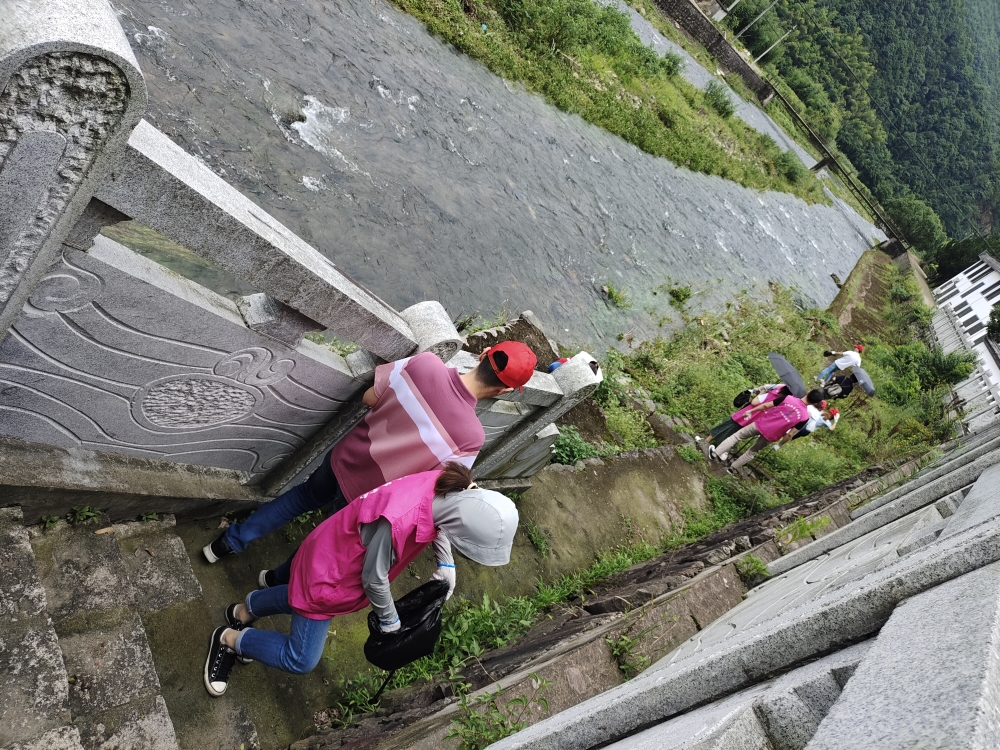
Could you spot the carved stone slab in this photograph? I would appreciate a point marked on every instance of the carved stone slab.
(114, 353)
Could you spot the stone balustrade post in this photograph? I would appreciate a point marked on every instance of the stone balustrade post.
(70, 94)
(577, 380)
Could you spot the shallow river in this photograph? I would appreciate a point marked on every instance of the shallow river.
(424, 176)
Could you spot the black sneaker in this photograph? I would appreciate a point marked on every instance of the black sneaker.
(236, 624)
(266, 579)
(218, 664)
(217, 549)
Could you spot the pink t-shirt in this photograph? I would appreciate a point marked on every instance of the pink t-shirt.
(424, 417)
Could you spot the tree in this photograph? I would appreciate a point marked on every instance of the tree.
(993, 327)
(918, 222)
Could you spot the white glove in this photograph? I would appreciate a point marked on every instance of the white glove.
(389, 627)
(446, 572)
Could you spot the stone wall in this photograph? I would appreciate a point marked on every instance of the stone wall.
(698, 25)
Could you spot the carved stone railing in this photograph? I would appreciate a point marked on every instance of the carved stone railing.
(105, 351)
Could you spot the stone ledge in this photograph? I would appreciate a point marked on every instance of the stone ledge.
(48, 480)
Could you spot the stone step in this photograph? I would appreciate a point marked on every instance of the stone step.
(96, 599)
(97, 620)
(34, 691)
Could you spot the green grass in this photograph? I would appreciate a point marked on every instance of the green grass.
(470, 628)
(692, 374)
(617, 296)
(690, 454)
(718, 98)
(585, 59)
(537, 536)
(570, 447)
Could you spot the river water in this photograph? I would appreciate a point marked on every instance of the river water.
(424, 176)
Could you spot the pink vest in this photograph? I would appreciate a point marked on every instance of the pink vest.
(326, 571)
(776, 421)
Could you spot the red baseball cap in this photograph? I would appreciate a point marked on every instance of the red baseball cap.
(859, 348)
(520, 363)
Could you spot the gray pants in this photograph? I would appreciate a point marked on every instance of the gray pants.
(744, 433)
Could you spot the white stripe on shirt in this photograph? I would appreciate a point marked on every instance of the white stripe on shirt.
(415, 410)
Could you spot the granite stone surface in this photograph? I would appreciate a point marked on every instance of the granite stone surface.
(108, 661)
(157, 565)
(34, 695)
(142, 724)
(71, 91)
(962, 457)
(61, 738)
(919, 495)
(81, 571)
(164, 187)
(21, 593)
(115, 353)
(932, 677)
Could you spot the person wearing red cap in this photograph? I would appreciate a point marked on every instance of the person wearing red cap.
(423, 415)
(844, 360)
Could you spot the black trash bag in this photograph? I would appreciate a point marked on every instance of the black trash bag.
(742, 399)
(420, 625)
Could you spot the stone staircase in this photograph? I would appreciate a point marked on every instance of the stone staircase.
(103, 634)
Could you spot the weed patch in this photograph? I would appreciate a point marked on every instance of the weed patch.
(690, 454)
(489, 717)
(800, 528)
(570, 447)
(752, 570)
(717, 97)
(624, 647)
(83, 514)
(619, 297)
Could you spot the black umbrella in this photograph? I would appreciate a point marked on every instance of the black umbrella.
(789, 375)
(865, 381)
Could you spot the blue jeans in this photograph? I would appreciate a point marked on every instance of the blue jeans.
(825, 375)
(321, 488)
(298, 652)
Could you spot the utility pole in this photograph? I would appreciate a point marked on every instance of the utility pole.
(723, 12)
(774, 45)
(747, 27)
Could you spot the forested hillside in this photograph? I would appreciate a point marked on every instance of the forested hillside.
(984, 25)
(932, 69)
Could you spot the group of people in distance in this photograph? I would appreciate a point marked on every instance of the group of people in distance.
(774, 416)
(398, 482)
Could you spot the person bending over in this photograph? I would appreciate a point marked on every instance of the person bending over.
(768, 422)
(349, 560)
(843, 361)
(423, 414)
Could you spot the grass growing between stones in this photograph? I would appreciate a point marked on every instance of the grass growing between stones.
(585, 59)
(470, 628)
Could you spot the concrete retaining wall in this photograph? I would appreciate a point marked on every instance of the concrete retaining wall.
(698, 25)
